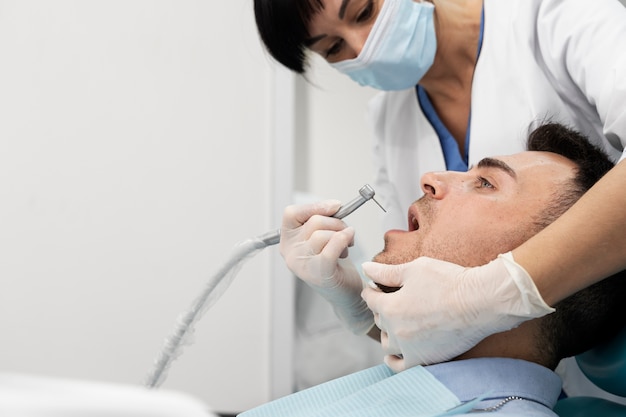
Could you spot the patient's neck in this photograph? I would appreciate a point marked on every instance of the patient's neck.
(519, 343)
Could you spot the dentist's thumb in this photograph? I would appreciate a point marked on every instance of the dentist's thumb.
(387, 277)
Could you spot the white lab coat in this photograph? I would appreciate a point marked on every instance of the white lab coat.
(556, 59)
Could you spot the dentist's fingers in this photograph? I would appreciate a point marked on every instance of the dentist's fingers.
(396, 363)
(384, 340)
(295, 216)
(336, 243)
(387, 275)
(377, 320)
(376, 299)
(318, 241)
(389, 344)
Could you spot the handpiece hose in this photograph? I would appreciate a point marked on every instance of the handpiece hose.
(218, 283)
(365, 193)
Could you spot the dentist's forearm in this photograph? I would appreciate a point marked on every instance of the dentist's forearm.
(583, 246)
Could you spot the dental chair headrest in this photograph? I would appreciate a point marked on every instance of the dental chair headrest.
(605, 365)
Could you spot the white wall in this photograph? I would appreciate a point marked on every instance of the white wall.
(334, 145)
(135, 152)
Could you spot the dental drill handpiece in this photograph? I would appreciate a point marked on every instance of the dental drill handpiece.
(365, 193)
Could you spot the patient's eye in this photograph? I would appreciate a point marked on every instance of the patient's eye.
(484, 183)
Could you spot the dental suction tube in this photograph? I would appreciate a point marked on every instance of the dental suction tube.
(365, 193)
(218, 283)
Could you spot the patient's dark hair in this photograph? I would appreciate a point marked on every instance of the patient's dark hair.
(282, 26)
(597, 313)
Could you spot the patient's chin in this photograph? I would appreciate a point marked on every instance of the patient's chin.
(390, 258)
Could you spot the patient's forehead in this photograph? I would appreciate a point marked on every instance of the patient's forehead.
(540, 167)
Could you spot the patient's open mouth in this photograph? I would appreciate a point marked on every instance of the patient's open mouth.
(413, 222)
(413, 215)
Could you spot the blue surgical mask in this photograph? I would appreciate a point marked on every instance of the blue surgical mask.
(399, 49)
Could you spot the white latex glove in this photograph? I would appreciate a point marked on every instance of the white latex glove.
(313, 246)
(443, 309)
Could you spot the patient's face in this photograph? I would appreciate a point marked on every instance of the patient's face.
(470, 217)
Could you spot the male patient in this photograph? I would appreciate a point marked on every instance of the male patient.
(469, 218)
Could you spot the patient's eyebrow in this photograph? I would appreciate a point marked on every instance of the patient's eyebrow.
(496, 163)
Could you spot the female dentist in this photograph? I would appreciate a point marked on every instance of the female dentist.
(462, 79)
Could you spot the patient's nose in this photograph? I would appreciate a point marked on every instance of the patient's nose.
(434, 184)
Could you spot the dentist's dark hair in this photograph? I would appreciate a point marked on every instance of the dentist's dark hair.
(282, 27)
